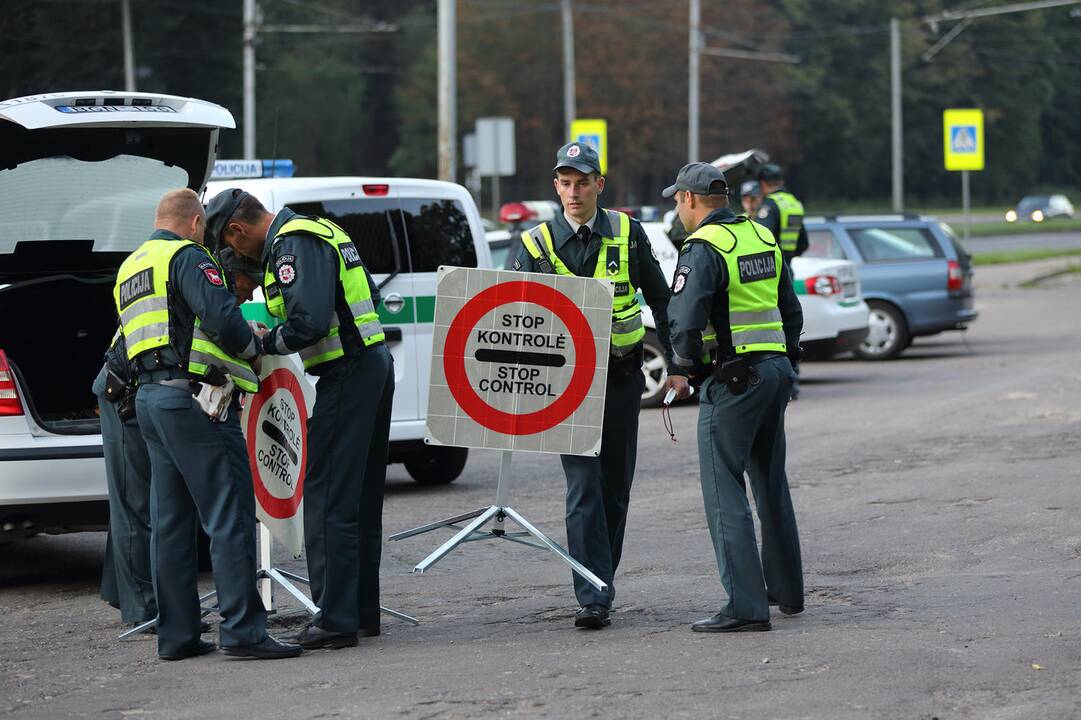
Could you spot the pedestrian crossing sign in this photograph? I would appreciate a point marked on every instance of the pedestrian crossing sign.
(593, 133)
(962, 135)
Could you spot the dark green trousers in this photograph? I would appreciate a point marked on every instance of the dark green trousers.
(738, 433)
(126, 580)
(348, 442)
(197, 476)
(599, 489)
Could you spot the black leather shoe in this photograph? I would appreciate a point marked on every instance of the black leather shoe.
(314, 637)
(723, 623)
(201, 647)
(592, 617)
(787, 609)
(268, 649)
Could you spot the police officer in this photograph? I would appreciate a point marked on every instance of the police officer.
(589, 241)
(750, 196)
(317, 284)
(185, 336)
(732, 298)
(781, 213)
(126, 576)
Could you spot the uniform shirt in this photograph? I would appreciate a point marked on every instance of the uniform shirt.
(703, 296)
(306, 268)
(769, 215)
(581, 259)
(198, 289)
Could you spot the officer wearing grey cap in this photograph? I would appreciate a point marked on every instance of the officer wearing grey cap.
(750, 196)
(735, 322)
(590, 241)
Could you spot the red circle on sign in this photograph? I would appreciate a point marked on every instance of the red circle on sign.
(584, 350)
(276, 507)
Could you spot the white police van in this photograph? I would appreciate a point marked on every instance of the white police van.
(404, 229)
(81, 174)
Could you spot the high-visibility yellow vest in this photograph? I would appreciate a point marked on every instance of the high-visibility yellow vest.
(791, 211)
(753, 262)
(627, 328)
(353, 281)
(142, 299)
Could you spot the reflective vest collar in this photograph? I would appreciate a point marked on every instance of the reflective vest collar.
(561, 232)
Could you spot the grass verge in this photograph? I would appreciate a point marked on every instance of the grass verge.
(1016, 256)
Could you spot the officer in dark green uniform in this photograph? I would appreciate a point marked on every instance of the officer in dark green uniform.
(781, 212)
(185, 335)
(599, 489)
(126, 578)
(316, 282)
(732, 293)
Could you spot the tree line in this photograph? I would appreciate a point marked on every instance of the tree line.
(365, 103)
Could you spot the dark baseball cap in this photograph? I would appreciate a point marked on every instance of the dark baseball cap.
(219, 211)
(578, 156)
(770, 172)
(750, 187)
(699, 178)
(232, 264)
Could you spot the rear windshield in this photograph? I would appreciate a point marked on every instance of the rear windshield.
(111, 202)
(894, 244)
(824, 244)
(439, 234)
(373, 225)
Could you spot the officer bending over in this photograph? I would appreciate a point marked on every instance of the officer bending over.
(589, 241)
(733, 306)
(185, 337)
(316, 283)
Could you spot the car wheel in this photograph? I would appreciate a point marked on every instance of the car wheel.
(437, 464)
(655, 370)
(887, 333)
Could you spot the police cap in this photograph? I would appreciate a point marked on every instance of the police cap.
(770, 172)
(219, 211)
(750, 188)
(578, 156)
(699, 178)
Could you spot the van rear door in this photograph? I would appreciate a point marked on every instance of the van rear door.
(371, 215)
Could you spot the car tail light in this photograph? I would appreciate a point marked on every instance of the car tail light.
(955, 276)
(9, 396)
(378, 190)
(513, 212)
(825, 285)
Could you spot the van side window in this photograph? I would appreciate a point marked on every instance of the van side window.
(439, 234)
(879, 244)
(368, 223)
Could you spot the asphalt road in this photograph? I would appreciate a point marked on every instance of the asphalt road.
(938, 498)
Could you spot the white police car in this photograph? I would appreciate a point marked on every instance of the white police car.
(80, 176)
(404, 229)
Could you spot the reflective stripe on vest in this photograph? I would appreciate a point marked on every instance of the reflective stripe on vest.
(791, 211)
(351, 278)
(627, 327)
(142, 300)
(753, 263)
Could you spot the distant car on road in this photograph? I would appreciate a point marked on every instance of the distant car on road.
(915, 275)
(1038, 208)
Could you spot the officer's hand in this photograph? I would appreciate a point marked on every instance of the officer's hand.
(682, 387)
(258, 328)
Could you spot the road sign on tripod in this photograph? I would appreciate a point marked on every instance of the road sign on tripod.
(519, 362)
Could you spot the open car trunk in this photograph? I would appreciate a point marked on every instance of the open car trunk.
(80, 177)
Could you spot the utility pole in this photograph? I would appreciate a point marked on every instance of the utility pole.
(448, 120)
(895, 115)
(129, 52)
(569, 99)
(249, 79)
(694, 51)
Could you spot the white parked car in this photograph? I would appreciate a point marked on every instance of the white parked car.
(81, 174)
